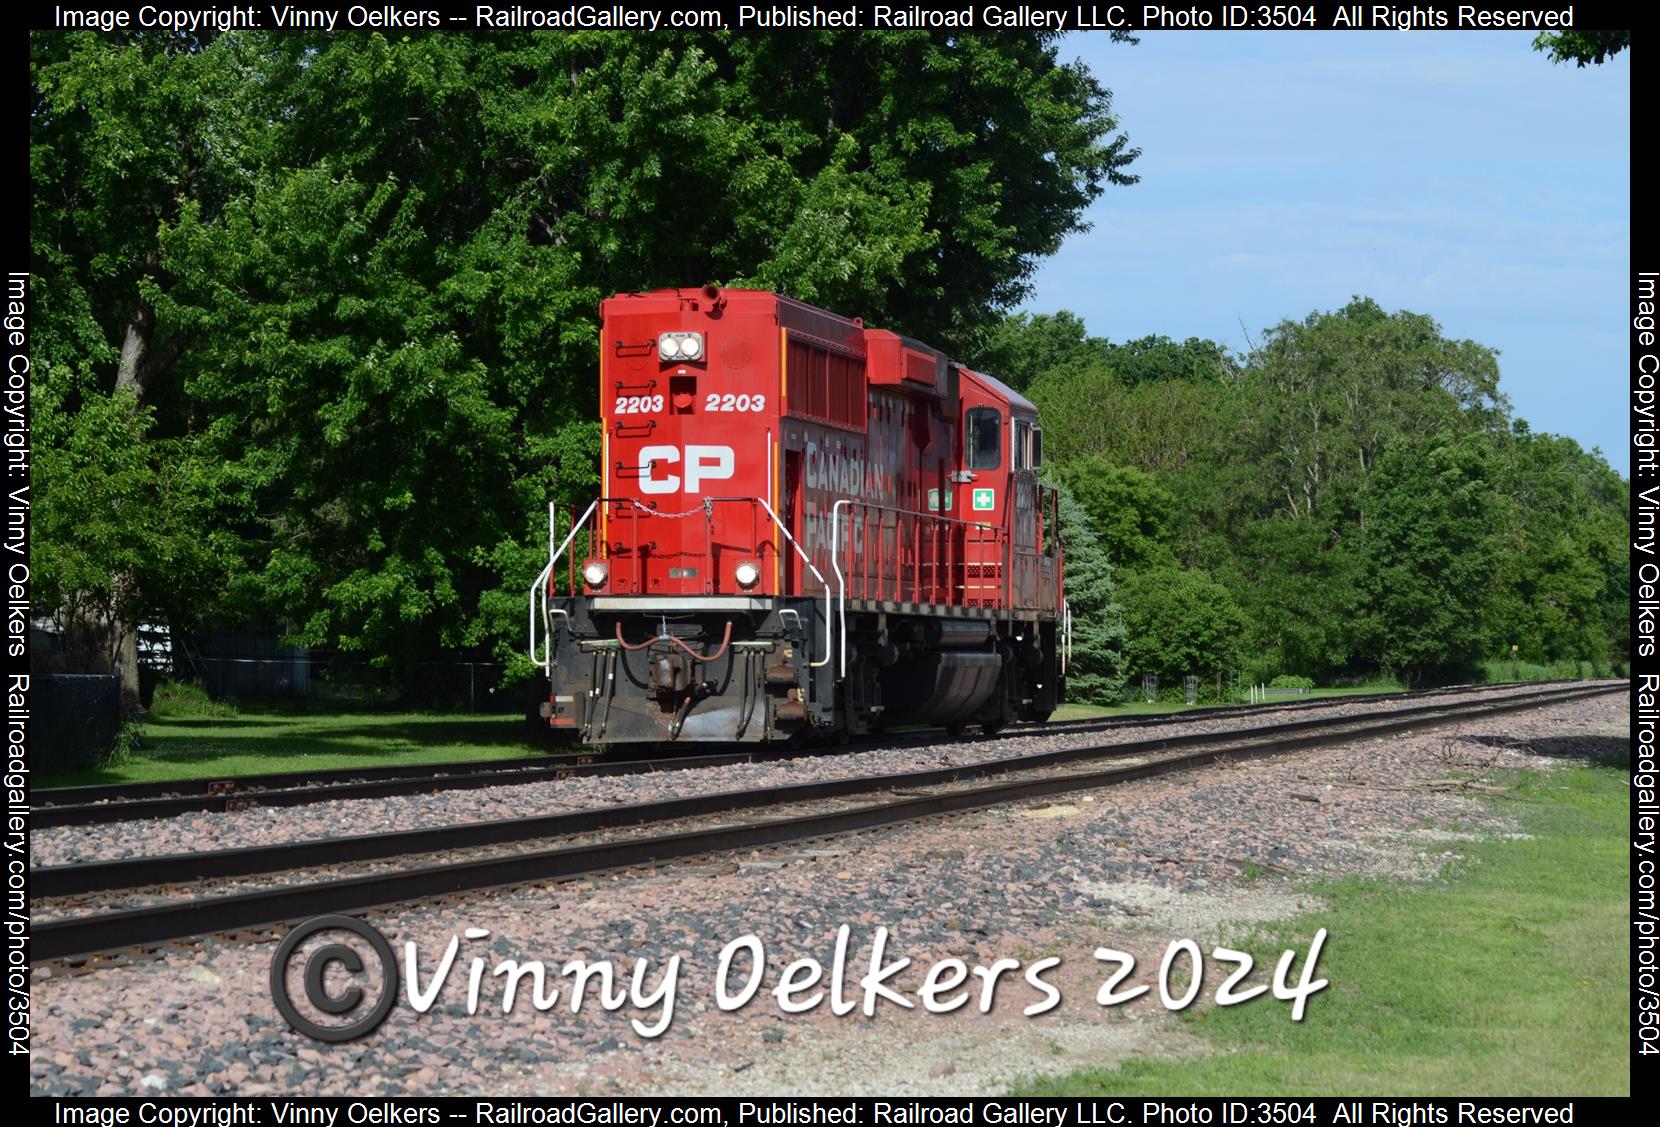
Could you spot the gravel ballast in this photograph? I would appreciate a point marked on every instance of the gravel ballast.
(260, 826)
(1194, 856)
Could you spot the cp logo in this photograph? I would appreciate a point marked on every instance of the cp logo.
(316, 987)
(703, 463)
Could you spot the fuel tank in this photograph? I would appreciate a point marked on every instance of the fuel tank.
(940, 688)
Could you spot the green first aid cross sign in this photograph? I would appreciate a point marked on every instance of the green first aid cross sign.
(985, 500)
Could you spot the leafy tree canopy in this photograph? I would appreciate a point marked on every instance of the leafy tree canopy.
(1298, 582)
(122, 525)
(1433, 547)
(1159, 426)
(1130, 511)
(1022, 347)
(1178, 622)
(354, 278)
(1563, 590)
(1153, 358)
(1320, 399)
(1582, 47)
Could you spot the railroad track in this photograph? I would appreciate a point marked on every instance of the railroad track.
(911, 795)
(119, 802)
(116, 804)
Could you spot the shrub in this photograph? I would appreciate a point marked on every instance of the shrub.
(128, 742)
(187, 698)
(1179, 622)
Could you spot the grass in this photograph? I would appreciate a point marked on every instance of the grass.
(1139, 707)
(178, 742)
(191, 736)
(1507, 977)
(1519, 671)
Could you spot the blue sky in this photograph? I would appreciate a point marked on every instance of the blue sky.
(1458, 174)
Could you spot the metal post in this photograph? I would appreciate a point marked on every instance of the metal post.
(916, 560)
(956, 552)
(864, 561)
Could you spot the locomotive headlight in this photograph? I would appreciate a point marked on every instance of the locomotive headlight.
(680, 346)
(594, 573)
(747, 574)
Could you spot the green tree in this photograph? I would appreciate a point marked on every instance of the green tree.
(122, 528)
(1581, 47)
(355, 276)
(366, 430)
(1433, 548)
(1321, 398)
(1130, 510)
(125, 131)
(1264, 478)
(1153, 358)
(991, 144)
(1159, 426)
(1562, 592)
(1298, 582)
(1020, 347)
(1095, 672)
(1179, 621)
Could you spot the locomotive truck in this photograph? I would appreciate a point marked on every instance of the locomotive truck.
(807, 529)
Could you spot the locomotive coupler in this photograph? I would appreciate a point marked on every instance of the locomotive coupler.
(671, 674)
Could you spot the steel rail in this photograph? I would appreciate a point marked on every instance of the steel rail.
(119, 802)
(141, 872)
(83, 935)
(384, 782)
(230, 785)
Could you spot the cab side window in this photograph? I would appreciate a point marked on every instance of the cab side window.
(1022, 444)
(985, 438)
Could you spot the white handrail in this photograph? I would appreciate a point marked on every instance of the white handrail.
(836, 555)
(841, 580)
(539, 588)
(817, 574)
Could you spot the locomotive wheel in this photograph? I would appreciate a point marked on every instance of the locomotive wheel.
(996, 716)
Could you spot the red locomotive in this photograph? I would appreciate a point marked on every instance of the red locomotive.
(807, 528)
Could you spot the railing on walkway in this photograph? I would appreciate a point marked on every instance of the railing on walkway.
(760, 546)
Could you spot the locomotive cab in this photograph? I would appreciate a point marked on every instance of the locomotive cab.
(806, 527)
